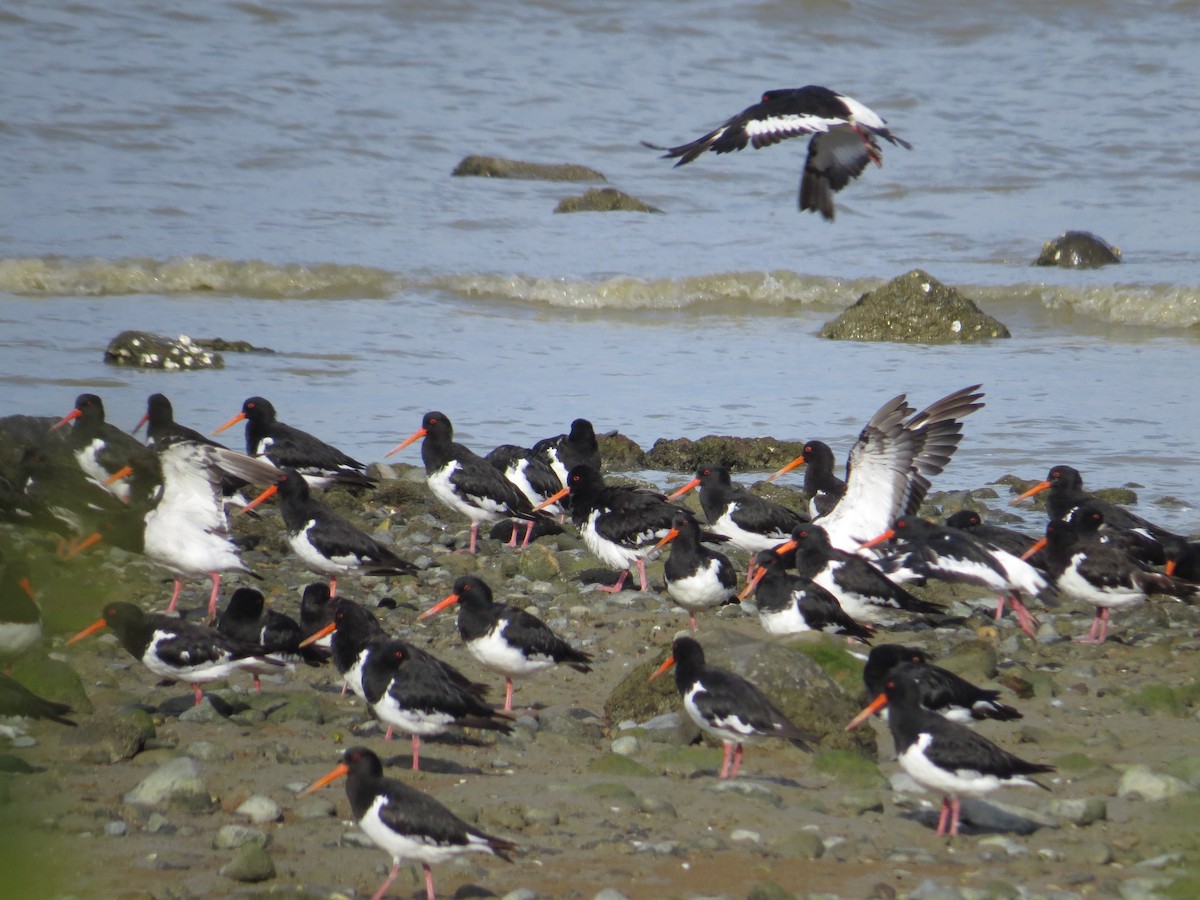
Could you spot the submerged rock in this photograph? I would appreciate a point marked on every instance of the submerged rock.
(914, 308)
(497, 167)
(144, 350)
(1078, 250)
(604, 200)
(734, 453)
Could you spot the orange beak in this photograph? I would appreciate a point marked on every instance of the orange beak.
(695, 482)
(875, 706)
(1035, 548)
(794, 464)
(552, 499)
(265, 495)
(91, 629)
(1036, 489)
(123, 472)
(313, 638)
(1170, 567)
(662, 670)
(876, 541)
(752, 584)
(142, 421)
(449, 601)
(786, 547)
(334, 774)
(231, 422)
(90, 541)
(666, 539)
(26, 587)
(416, 435)
(73, 414)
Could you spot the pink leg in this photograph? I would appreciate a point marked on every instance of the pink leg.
(216, 591)
(1097, 621)
(614, 588)
(943, 816)
(416, 753)
(1025, 618)
(641, 567)
(388, 736)
(727, 760)
(378, 895)
(737, 761)
(1103, 625)
(692, 622)
(475, 536)
(955, 811)
(508, 692)
(175, 595)
(199, 694)
(528, 533)
(332, 588)
(512, 538)
(428, 881)
(257, 683)
(345, 687)
(1000, 606)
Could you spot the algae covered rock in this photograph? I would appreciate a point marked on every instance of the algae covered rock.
(604, 200)
(496, 167)
(734, 453)
(144, 350)
(1078, 250)
(915, 308)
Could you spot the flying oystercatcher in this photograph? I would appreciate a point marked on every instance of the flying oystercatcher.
(941, 755)
(726, 705)
(844, 138)
(697, 578)
(326, 542)
(412, 691)
(409, 825)
(940, 690)
(283, 445)
(751, 523)
(175, 649)
(789, 604)
(504, 638)
(889, 466)
(465, 481)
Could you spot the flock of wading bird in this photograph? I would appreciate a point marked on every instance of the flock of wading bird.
(841, 569)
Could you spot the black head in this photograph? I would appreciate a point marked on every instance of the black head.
(245, 603)
(159, 410)
(258, 410)
(292, 485)
(711, 476)
(584, 479)
(437, 424)
(471, 589)
(1086, 519)
(817, 451)
(965, 519)
(361, 761)
(1064, 478)
(687, 653)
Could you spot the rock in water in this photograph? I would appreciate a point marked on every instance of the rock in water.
(153, 351)
(496, 167)
(1078, 250)
(915, 308)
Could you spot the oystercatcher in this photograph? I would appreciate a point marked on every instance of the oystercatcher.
(564, 452)
(20, 615)
(942, 755)
(271, 633)
(859, 586)
(18, 700)
(1007, 539)
(697, 578)
(788, 604)
(1090, 524)
(844, 138)
(324, 541)
(620, 524)
(283, 445)
(530, 473)
(504, 638)
(888, 469)
(940, 690)
(726, 705)
(406, 823)
(176, 649)
(160, 423)
(751, 523)
(1101, 575)
(463, 480)
(931, 550)
(316, 611)
(822, 486)
(1183, 558)
(103, 450)
(411, 690)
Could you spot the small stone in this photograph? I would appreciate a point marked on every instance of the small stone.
(745, 836)
(1139, 781)
(116, 829)
(208, 751)
(627, 745)
(1079, 811)
(610, 894)
(176, 780)
(315, 808)
(229, 837)
(260, 809)
(251, 864)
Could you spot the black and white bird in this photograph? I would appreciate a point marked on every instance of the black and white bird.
(821, 483)
(726, 706)
(578, 447)
(176, 649)
(20, 615)
(844, 138)
(944, 756)
(789, 604)
(103, 451)
(420, 695)
(282, 445)
(863, 590)
(889, 466)
(697, 578)
(160, 423)
(465, 481)
(926, 549)
(532, 474)
(751, 523)
(940, 690)
(407, 824)
(246, 619)
(326, 542)
(317, 607)
(1010, 540)
(506, 639)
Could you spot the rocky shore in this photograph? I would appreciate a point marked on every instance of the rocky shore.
(600, 784)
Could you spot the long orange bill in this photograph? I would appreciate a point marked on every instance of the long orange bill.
(91, 629)
(416, 435)
(449, 601)
(1036, 489)
(265, 495)
(666, 539)
(26, 587)
(231, 422)
(90, 541)
(1170, 567)
(142, 421)
(662, 670)
(552, 499)
(123, 472)
(875, 706)
(73, 414)
(1034, 549)
(786, 547)
(695, 482)
(794, 464)
(876, 541)
(334, 774)
(752, 584)
(313, 638)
